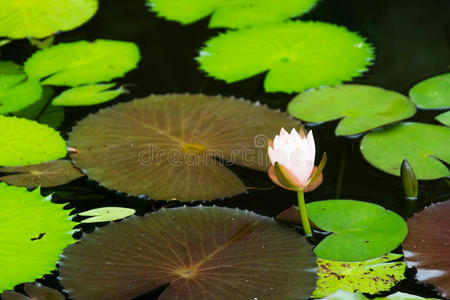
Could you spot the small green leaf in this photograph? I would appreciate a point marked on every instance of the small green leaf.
(24, 142)
(41, 18)
(360, 230)
(370, 276)
(444, 118)
(42, 44)
(423, 145)
(106, 214)
(297, 55)
(4, 42)
(34, 231)
(361, 107)
(432, 93)
(88, 95)
(82, 62)
(10, 68)
(16, 92)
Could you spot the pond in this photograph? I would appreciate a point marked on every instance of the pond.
(410, 40)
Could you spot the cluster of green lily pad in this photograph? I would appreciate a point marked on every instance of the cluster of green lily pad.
(170, 147)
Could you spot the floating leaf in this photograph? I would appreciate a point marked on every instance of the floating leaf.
(444, 118)
(33, 232)
(24, 142)
(433, 93)
(87, 95)
(423, 145)
(201, 252)
(4, 42)
(16, 92)
(41, 18)
(35, 291)
(51, 115)
(231, 14)
(370, 276)
(167, 147)
(53, 173)
(10, 68)
(427, 244)
(297, 55)
(361, 107)
(82, 62)
(106, 214)
(360, 230)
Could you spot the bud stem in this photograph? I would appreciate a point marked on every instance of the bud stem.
(303, 213)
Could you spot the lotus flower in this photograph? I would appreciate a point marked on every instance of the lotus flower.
(292, 156)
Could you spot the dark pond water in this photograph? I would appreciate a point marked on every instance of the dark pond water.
(412, 43)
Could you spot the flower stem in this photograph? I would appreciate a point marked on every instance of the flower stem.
(303, 213)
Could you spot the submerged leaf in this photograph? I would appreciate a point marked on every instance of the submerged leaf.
(10, 68)
(360, 230)
(201, 252)
(82, 62)
(444, 118)
(423, 145)
(297, 55)
(41, 18)
(432, 93)
(16, 92)
(35, 291)
(106, 214)
(361, 107)
(370, 276)
(171, 147)
(233, 14)
(87, 95)
(53, 173)
(33, 232)
(427, 244)
(24, 142)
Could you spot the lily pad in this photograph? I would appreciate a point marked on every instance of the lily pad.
(427, 244)
(49, 174)
(16, 92)
(297, 55)
(43, 112)
(35, 292)
(432, 93)
(41, 18)
(82, 62)
(106, 214)
(360, 230)
(444, 118)
(371, 276)
(88, 95)
(33, 232)
(423, 145)
(232, 14)
(24, 142)
(201, 252)
(361, 107)
(8, 67)
(169, 147)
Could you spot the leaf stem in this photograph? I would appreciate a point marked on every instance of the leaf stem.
(303, 213)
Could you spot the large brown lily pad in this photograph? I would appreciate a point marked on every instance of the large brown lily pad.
(427, 245)
(201, 252)
(170, 147)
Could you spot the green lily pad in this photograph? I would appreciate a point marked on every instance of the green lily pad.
(232, 14)
(432, 93)
(33, 232)
(444, 118)
(82, 62)
(16, 92)
(297, 55)
(370, 276)
(106, 214)
(167, 147)
(423, 145)
(49, 174)
(8, 67)
(361, 107)
(35, 292)
(41, 18)
(52, 115)
(360, 230)
(200, 252)
(24, 142)
(88, 95)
